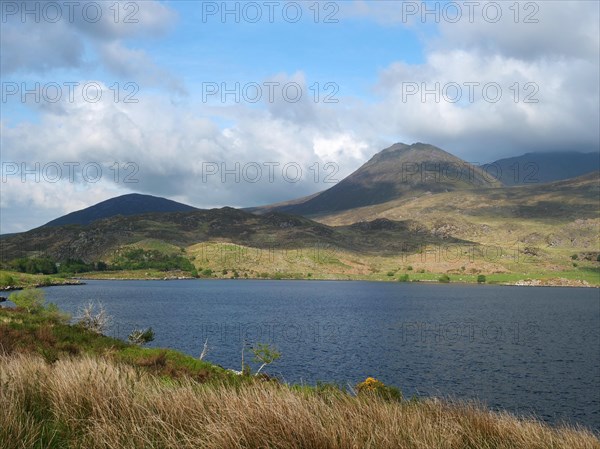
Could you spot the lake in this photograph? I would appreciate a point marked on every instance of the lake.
(529, 350)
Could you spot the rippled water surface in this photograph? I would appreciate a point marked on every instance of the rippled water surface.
(528, 350)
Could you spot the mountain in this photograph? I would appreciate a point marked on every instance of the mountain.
(130, 204)
(536, 168)
(102, 239)
(396, 172)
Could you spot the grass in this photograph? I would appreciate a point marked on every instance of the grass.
(14, 279)
(96, 403)
(62, 386)
(50, 336)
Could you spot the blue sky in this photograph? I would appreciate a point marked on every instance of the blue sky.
(366, 60)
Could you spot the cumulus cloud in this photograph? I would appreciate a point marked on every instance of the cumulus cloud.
(180, 152)
(39, 37)
(174, 145)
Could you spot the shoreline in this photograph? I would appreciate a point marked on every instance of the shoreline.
(520, 283)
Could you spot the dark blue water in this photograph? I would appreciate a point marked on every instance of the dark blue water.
(527, 350)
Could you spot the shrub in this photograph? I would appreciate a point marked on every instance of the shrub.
(140, 337)
(6, 280)
(373, 387)
(34, 265)
(139, 259)
(390, 273)
(409, 268)
(30, 299)
(265, 354)
(95, 321)
(574, 256)
(481, 279)
(75, 266)
(101, 266)
(403, 278)
(575, 264)
(207, 272)
(444, 278)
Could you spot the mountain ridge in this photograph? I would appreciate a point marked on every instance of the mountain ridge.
(128, 204)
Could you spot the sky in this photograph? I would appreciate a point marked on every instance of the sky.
(247, 103)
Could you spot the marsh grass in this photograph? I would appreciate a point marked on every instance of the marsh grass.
(92, 402)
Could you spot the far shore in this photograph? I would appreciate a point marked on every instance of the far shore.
(558, 282)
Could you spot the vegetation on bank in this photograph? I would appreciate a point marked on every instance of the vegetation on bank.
(157, 259)
(65, 386)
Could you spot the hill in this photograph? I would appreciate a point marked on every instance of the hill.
(537, 168)
(399, 171)
(171, 232)
(130, 204)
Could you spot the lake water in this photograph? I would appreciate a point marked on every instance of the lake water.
(524, 349)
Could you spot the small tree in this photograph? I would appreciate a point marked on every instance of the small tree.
(94, 320)
(30, 299)
(265, 354)
(140, 337)
(481, 279)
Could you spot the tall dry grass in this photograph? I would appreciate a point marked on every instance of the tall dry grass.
(93, 403)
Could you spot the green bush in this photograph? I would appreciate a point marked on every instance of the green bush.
(403, 278)
(139, 259)
(30, 299)
(409, 268)
(373, 387)
(6, 280)
(207, 272)
(390, 273)
(574, 256)
(444, 278)
(140, 337)
(75, 266)
(34, 265)
(481, 279)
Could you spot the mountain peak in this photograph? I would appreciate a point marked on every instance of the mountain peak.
(128, 204)
(398, 171)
